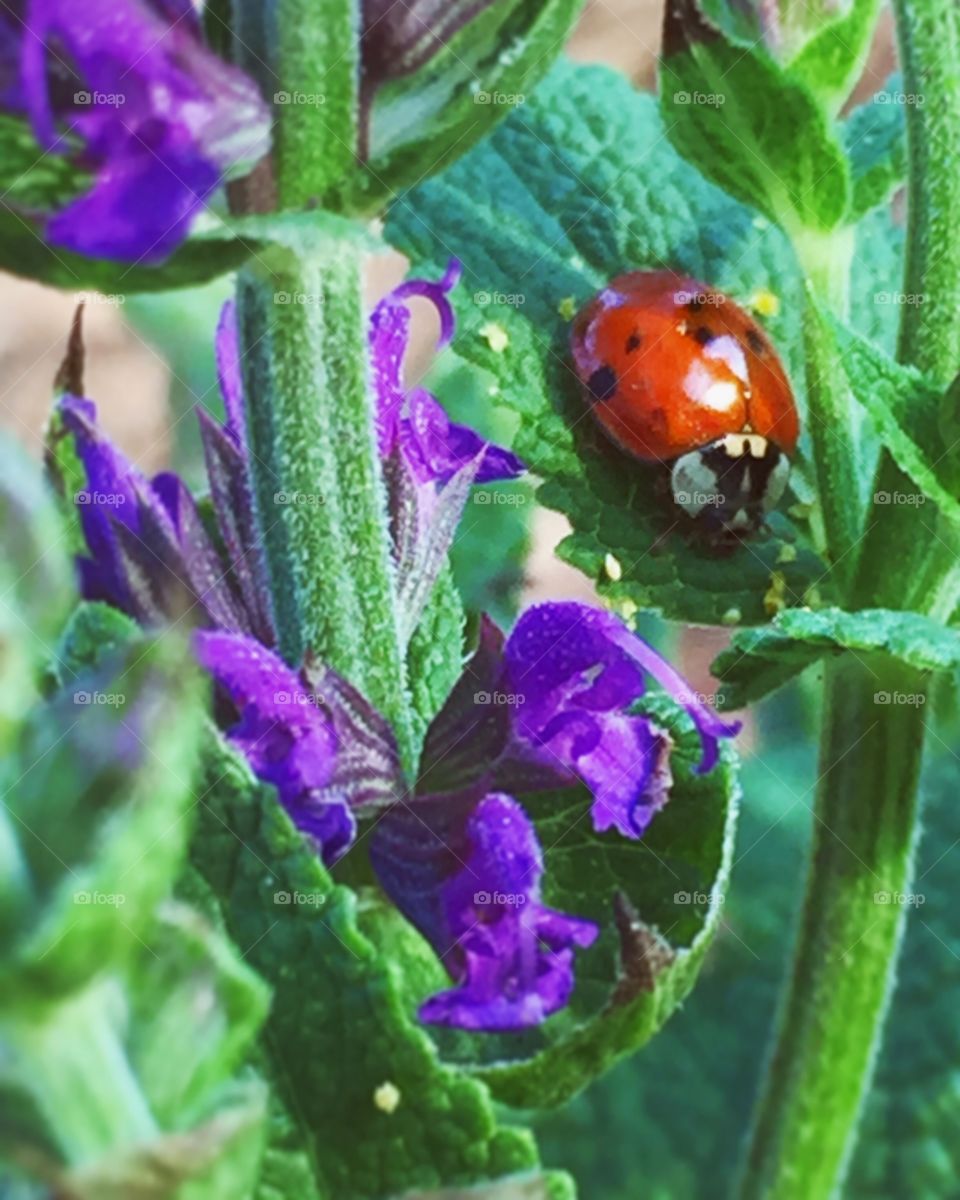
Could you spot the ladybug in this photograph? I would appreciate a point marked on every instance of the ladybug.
(676, 373)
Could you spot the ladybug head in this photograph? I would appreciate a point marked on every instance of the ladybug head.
(730, 485)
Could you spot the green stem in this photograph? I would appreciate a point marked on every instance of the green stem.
(842, 970)
(826, 260)
(74, 1065)
(318, 487)
(867, 805)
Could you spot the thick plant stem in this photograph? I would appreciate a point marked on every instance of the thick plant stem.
(867, 805)
(826, 260)
(319, 493)
(857, 897)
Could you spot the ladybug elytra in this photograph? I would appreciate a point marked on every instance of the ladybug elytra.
(676, 373)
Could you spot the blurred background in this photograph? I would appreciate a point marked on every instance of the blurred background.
(666, 1124)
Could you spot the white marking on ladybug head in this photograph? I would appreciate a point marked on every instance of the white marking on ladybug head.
(733, 482)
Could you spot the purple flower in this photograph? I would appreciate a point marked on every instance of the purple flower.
(330, 756)
(512, 955)
(150, 553)
(127, 90)
(415, 424)
(545, 710)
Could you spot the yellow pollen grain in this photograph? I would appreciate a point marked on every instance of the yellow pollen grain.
(496, 336)
(733, 616)
(567, 308)
(774, 600)
(788, 553)
(612, 567)
(764, 303)
(387, 1097)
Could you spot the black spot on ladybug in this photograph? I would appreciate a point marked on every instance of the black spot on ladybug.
(755, 342)
(696, 304)
(633, 343)
(704, 335)
(602, 383)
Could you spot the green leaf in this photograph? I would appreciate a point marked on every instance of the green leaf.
(875, 139)
(217, 245)
(36, 583)
(831, 62)
(759, 661)
(749, 125)
(422, 120)
(667, 892)
(98, 793)
(380, 1114)
(908, 413)
(574, 188)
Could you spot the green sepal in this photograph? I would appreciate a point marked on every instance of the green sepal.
(758, 661)
(515, 212)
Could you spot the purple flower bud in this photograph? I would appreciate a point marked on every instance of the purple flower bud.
(127, 89)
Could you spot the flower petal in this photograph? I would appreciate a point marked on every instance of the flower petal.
(288, 741)
(471, 884)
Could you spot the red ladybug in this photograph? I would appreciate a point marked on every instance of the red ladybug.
(676, 373)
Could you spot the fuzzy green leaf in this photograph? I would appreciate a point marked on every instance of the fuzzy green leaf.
(420, 121)
(749, 125)
(910, 415)
(667, 892)
(759, 661)
(876, 142)
(831, 62)
(98, 792)
(379, 1112)
(577, 186)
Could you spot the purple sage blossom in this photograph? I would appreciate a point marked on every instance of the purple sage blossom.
(414, 423)
(128, 91)
(546, 709)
